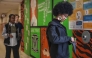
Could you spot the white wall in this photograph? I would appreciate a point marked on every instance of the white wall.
(13, 11)
(19, 12)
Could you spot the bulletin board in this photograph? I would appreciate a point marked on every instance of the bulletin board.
(82, 14)
(87, 18)
(80, 22)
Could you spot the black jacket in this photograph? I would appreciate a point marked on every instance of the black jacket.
(58, 40)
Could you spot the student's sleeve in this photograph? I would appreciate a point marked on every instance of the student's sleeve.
(54, 38)
(4, 34)
(22, 26)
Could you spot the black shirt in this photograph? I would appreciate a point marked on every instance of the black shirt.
(20, 26)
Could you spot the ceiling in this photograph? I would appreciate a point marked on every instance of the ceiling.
(8, 5)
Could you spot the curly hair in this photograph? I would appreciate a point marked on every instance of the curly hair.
(62, 8)
(11, 16)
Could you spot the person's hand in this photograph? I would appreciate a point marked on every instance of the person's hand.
(10, 36)
(72, 39)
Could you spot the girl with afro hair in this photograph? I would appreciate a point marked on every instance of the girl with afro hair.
(56, 33)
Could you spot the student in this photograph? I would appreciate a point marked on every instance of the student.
(20, 27)
(56, 32)
(10, 37)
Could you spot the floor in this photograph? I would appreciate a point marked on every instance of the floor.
(2, 47)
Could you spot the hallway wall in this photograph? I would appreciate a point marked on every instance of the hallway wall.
(5, 20)
(36, 15)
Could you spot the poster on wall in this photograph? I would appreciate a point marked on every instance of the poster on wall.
(82, 11)
(35, 42)
(87, 18)
(44, 44)
(44, 12)
(33, 12)
(82, 14)
(76, 19)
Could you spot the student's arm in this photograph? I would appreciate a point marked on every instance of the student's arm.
(4, 34)
(54, 38)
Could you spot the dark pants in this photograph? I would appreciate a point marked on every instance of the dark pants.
(15, 51)
(18, 44)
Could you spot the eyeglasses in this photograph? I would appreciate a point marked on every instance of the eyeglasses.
(66, 16)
